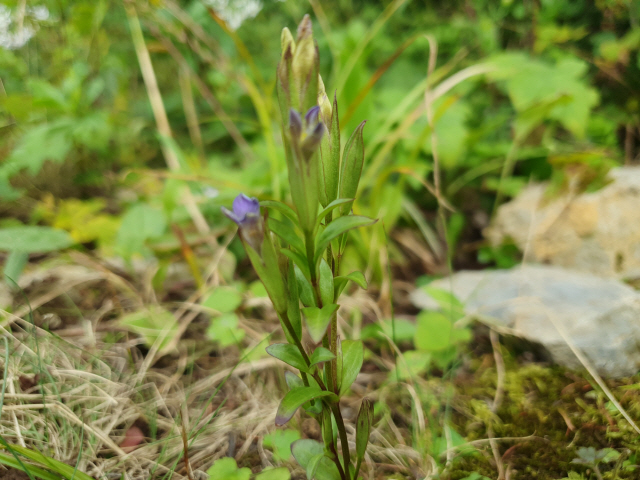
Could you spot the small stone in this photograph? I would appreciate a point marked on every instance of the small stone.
(552, 306)
(593, 232)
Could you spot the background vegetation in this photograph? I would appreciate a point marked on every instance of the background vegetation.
(124, 126)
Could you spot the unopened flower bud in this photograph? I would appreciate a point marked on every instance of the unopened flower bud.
(306, 136)
(286, 41)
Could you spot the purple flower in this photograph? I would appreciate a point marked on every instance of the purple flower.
(245, 210)
(246, 213)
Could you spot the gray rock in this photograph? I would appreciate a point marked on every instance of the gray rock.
(554, 307)
(592, 232)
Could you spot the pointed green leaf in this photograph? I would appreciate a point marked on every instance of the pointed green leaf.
(289, 354)
(331, 207)
(293, 309)
(352, 160)
(294, 399)
(341, 282)
(305, 289)
(321, 354)
(287, 233)
(305, 450)
(337, 228)
(318, 320)
(300, 261)
(352, 359)
(286, 210)
(325, 282)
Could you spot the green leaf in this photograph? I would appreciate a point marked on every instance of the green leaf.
(312, 466)
(341, 282)
(227, 469)
(61, 469)
(326, 283)
(153, 324)
(352, 359)
(352, 160)
(293, 380)
(433, 332)
(141, 223)
(286, 210)
(306, 450)
(321, 354)
(300, 261)
(331, 207)
(411, 364)
(280, 442)
(33, 239)
(288, 234)
(293, 308)
(224, 330)
(318, 320)
(274, 474)
(223, 299)
(306, 290)
(337, 228)
(14, 264)
(294, 399)
(289, 354)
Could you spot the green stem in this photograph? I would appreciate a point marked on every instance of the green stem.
(292, 332)
(335, 408)
(358, 464)
(327, 432)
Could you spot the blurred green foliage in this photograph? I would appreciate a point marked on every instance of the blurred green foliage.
(514, 90)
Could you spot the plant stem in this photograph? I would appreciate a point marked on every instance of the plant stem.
(335, 408)
(292, 332)
(358, 464)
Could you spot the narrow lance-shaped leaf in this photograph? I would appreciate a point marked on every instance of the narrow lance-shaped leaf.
(352, 160)
(325, 283)
(293, 310)
(294, 399)
(341, 282)
(330, 208)
(306, 290)
(283, 208)
(337, 228)
(287, 233)
(352, 359)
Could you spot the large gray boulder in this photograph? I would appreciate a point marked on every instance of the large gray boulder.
(596, 232)
(555, 308)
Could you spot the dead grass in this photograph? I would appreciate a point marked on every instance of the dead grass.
(76, 385)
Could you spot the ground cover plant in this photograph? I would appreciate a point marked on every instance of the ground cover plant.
(144, 334)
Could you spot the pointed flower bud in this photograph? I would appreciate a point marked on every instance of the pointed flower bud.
(246, 214)
(307, 136)
(363, 427)
(286, 41)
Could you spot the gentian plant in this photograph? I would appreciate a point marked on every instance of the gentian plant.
(297, 257)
